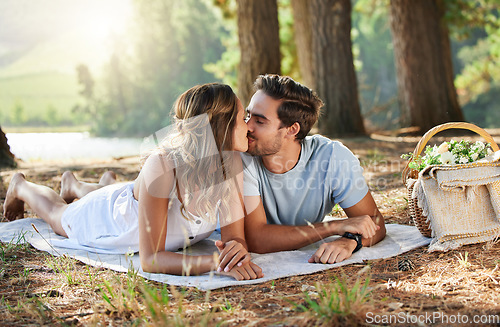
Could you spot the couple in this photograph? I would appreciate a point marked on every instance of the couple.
(196, 177)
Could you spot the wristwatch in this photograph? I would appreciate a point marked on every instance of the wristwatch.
(357, 238)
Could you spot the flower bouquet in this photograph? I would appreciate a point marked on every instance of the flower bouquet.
(449, 153)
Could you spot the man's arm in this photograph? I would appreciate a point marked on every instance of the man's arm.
(342, 248)
(263, 237)
(368, 207)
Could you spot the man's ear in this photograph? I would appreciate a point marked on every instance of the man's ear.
(293, 130)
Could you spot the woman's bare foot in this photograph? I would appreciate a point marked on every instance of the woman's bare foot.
(13, 208)
(68, 181)
(107, 178)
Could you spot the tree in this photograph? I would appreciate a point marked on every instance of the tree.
(6, 157)
(303, 39)
(327, 23)
(422, 54)
(475, 26)
(258, 32)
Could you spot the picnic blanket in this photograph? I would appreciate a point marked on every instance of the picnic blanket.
(399, 239)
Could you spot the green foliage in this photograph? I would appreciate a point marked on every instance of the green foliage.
(51, 116)
(35, 93)
(476, 27)
(18, 116)
(288, 48)
(463, 16)
(226, 67)
(374, 63)
(177, 44)
(172, 41)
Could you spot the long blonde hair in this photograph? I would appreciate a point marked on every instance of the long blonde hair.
(205, 117)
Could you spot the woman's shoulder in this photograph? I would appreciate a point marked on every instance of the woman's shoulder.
(157, 174)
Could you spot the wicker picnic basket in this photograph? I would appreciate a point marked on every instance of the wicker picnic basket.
(410, 174)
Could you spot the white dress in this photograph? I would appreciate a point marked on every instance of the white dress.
(106, 221)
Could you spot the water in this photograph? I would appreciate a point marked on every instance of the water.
(70, 146)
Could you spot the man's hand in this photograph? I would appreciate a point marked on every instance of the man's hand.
(246, 271)
(363, 225)
(231, 253)
(335, 251)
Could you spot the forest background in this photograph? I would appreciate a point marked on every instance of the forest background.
(167, 46)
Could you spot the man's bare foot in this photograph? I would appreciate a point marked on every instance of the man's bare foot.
(107, 178)
(13, 208)
(68, 181)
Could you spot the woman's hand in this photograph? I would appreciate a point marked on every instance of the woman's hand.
(246, 271)
(232, 253)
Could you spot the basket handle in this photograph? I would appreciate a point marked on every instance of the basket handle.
(408, 172)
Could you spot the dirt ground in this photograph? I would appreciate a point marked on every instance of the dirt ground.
(459, 286)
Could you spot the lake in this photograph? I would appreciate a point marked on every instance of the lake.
(70, 146)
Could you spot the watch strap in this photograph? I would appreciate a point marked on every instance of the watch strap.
(357, 238)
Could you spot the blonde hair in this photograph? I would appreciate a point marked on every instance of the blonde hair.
(205, 117)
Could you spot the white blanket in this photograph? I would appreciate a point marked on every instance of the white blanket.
(399, 239)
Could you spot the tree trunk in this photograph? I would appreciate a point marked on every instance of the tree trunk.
(6, 157)
(258, 32)
(303, 39)
(334, 78)
(422, 54)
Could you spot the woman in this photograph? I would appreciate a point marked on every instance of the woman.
(188, 182)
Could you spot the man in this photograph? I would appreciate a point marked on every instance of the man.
(293, 181)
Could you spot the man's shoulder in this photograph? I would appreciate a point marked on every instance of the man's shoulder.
(316, 143)
(319, 145)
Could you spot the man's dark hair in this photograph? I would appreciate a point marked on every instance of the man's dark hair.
(299, 103)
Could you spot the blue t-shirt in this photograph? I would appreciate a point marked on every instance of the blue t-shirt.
(327, 173)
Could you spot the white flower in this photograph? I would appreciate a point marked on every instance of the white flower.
(479, 145)
(474, 156)
(463, 160)
(490, 152)
(434, 151)
(443, 148)
(448, 158)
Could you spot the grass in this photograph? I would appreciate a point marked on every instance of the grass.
(66, 267)
(337, 302)
(463, 261)
(143, 303)
(8, 250)
(34, 293)
(116, 296)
